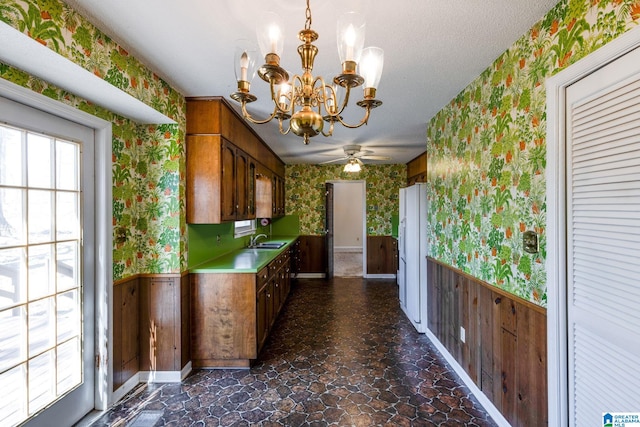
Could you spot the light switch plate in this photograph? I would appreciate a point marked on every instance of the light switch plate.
(530, 241)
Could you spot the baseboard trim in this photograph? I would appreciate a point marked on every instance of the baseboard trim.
(165, 376)
(347, 249)
(125, 388)
(482, 398)
(310, 276)
(380, 276)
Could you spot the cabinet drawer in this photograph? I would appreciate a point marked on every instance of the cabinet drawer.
(262, 277)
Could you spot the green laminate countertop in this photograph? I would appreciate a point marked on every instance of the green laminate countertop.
(245, 260)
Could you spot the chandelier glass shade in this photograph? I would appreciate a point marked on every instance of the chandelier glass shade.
(305, 101)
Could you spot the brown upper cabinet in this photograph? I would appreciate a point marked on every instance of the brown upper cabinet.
(417, 169)
(222, 171)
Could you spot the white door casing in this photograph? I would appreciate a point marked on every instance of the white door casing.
(102, 249)
(589, 342)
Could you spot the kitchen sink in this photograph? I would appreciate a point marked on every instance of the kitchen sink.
(270, 245)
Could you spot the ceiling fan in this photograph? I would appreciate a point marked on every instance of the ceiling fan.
(354, 154)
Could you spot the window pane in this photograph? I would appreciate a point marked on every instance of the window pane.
(12, 217)
(13, 268)
(13, 337)
(41, 271)
(68, 361)
(13, 405)
(41, 326)
(40, 216)
(40, 152)
(42, 390)
(68, 315)
(68, 262)
(67, 216)
(67, 161)
(11, 157)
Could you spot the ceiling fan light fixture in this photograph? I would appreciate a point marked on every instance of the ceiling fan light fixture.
(352, 166)
(310, 100)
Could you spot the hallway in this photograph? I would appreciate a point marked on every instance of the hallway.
(341, 353)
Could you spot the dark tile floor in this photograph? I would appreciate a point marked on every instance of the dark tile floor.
(341, 353)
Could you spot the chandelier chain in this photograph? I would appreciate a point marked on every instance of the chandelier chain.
(307, 25)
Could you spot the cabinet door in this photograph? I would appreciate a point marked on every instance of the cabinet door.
(242, 185)
(251, 192)
(228, 180)
(262, 320)
(274, 199)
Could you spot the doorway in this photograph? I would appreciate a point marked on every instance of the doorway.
(72, 275)
(349, 228)
(593, 197)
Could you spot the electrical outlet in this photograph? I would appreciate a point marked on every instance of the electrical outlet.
(462, 334)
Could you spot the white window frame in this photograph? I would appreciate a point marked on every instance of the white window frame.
(244, 228)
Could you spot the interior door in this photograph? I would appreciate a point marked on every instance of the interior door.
(328, 227)
(603, 235)
(47, 315)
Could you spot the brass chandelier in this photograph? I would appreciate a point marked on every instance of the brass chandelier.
(307, 101)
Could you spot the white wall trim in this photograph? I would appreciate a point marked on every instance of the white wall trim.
(165, 376)
(556, 217)
(364, 216)
(379, 276)
(103, 228)
(347, 249)
(310, 276)
(466, 379)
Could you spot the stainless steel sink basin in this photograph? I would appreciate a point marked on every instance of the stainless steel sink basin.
(270, 245)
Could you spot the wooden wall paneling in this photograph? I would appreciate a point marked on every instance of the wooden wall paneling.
(508, 376)
(532, 357)
(131, 335)
(485, 314)
(469, 350)
(160, 330)
(498, 353)
(508, 315)
(117, 336)
(433, 297)
(185, 332)
(126, 348)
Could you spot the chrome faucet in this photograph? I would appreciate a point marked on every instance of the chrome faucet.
(254, 239)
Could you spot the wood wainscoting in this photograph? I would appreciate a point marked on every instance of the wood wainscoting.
(505, 347)
(150, 325)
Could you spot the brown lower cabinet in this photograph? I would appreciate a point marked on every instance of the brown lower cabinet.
(382, 255)
(505, 346)
(150, 325)
(312, 251)
(232, 313)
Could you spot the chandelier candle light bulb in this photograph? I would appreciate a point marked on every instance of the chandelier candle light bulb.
(308, 94)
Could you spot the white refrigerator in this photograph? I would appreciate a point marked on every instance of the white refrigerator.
(412, 247)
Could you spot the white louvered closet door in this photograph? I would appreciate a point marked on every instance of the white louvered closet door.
(603, 242)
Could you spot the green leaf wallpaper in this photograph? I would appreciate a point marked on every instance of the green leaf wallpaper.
(487, 149)
(305, 190)
(148, 160)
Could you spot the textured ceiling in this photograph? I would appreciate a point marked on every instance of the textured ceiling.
(433, 49)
